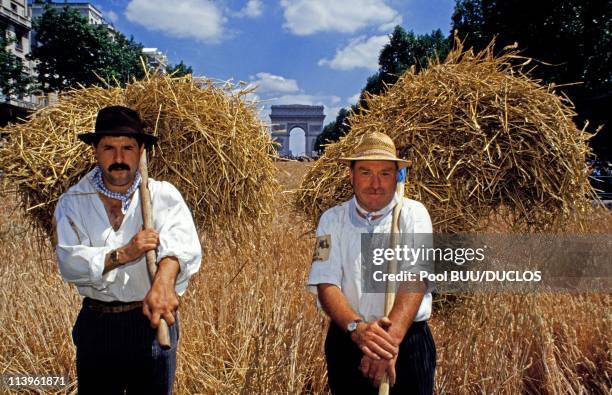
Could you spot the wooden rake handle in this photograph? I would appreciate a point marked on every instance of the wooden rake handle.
(163, 333)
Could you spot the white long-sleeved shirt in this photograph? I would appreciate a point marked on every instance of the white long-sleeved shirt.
(342, 228)
(85, 236)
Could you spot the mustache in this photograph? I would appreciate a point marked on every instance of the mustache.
(119, 166)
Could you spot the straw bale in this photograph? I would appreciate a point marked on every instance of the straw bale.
(483, 138)
(212, 147)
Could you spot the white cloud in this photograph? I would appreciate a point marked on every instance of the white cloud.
(267, 82)
(361, 52)
(304, 17)
(353, 99)
(388, 27)
(252, 9)
(198, 19)
(331, 113)
(111, 16)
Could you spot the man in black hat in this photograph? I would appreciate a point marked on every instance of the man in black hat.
(100, 247)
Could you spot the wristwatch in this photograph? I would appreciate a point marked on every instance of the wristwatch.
(114, 257)
(352, 326)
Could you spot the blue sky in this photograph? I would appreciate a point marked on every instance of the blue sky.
(296, 51)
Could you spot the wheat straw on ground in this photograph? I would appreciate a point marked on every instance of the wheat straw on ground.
(261, 333)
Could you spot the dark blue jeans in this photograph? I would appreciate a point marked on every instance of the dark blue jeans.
(118, 353)
(414, 369)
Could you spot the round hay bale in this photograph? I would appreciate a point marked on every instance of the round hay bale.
(483, 139)
(212, 147)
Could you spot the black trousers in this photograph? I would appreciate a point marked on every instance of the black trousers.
(415, 366)
(118, 353)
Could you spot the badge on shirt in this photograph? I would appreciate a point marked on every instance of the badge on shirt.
(322, 248)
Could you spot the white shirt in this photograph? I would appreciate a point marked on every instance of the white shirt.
(85, 236)
(343, 266)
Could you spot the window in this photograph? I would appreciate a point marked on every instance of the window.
(17, 9)
(19, 44)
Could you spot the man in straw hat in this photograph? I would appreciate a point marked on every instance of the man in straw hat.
(363, 345)
(100, 247)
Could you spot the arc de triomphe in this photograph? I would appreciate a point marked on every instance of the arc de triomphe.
(285, 118)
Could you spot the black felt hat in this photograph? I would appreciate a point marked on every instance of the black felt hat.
(118, 121)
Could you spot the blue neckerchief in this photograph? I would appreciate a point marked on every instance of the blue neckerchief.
(125, 198)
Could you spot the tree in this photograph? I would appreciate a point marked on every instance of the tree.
(179, 70)
(404, 50)
(14, 81)
(334, 130)
(123, 58)
(573, 39)
(69, 51)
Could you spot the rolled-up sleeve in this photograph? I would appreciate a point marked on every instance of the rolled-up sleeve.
(79, 262)
(177, 232)
(326, 265)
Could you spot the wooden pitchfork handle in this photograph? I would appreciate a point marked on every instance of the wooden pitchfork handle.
(390, 294)
(163, 333)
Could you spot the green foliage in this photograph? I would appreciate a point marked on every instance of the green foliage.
(122, 61)
(70, 51)
(179, 70)
(374, 85)
(14, 80)
(334, 130)
(404, 50)
(573, 38)
(573, 35)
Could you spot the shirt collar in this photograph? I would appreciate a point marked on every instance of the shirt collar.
(367, 217)
(125, 198)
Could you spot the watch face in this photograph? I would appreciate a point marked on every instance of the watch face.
(352, 326)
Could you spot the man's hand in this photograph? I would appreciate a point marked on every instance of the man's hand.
(374, 340)
(375, 369)
(162, 300)
(143, 241)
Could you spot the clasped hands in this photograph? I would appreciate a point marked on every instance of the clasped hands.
(380, 349)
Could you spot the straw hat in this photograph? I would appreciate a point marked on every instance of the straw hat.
(375, 146)
(118, 121)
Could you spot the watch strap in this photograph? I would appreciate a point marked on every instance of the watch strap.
(352, 326)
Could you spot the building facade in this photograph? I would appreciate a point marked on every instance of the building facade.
(87, 10)
(155, 58)
(15, 20)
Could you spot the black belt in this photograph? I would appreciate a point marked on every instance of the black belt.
(110, 307)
